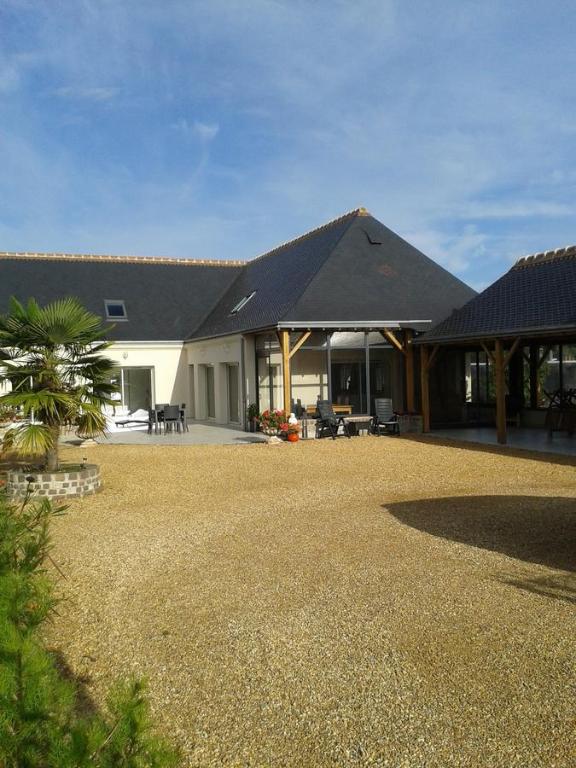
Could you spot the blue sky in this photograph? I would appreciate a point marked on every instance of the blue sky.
(219, 129)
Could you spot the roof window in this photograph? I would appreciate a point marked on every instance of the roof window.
(242, 303)
(115, 309)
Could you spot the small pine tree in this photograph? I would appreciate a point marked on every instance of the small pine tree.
(40, 726)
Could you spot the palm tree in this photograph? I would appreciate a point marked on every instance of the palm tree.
(52, 357)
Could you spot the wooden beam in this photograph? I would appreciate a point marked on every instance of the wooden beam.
(511, 351)
(489, 353)
(533, 376)
(284, 337)
(409, 369)
(500, 371)
(392, 339)
(425, 387)
(302, 340)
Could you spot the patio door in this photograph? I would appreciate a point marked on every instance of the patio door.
(210, 394)
(135, 387)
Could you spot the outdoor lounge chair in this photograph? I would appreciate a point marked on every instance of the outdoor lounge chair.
(328, 423)
(384, 417)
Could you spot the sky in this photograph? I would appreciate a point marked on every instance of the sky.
(219, 129)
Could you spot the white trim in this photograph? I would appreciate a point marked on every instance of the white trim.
(121, 342)
(361, 324)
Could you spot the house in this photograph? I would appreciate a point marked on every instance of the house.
(331, 314)
(511, 349)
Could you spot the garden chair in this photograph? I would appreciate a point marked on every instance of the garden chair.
(328, 423)
(172, 418)
(183, 420)
(384, 417)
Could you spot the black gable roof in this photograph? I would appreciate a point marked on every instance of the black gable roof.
(165, 299)
(351, 269)
(536, 296)
(373, 274)
(277, 279)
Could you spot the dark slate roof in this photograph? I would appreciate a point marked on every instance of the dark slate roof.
(165, 298)
(279, 277)
(535, 297)
(352, 269)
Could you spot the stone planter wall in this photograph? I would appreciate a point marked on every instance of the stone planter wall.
(80, 482)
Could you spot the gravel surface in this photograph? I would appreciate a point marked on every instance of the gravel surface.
(365, 602)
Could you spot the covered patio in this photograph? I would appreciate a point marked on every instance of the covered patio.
(524, 438)
(509, 356)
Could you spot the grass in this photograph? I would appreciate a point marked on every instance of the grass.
(378, 601)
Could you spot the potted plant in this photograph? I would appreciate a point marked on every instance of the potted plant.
(252, 416)
(291, 429)
(271, 421)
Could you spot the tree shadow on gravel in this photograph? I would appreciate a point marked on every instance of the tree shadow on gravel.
(85, 703)
(531, 528)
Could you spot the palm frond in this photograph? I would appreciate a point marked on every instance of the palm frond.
(29, 439)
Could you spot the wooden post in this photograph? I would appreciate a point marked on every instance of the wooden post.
(533, 376)
(425, 388)
(285, 346)
(409, 369)
(500, 392)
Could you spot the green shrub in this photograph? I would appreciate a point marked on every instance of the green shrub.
(40, 722)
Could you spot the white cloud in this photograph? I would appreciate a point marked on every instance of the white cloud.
(86, 93)
(205, 132)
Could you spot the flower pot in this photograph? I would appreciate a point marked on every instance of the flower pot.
(292, 437)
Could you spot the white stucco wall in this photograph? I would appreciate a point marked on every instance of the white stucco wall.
(219, 354)
(168, 361)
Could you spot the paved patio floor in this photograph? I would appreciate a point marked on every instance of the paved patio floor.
(529, 439)
(200, 433)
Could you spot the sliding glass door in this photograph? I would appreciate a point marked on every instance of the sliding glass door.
(135, 388)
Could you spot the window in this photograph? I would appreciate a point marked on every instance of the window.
(480, 379)
(242, 303)
(115, 309)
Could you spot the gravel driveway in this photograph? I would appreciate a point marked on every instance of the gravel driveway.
(375, 601)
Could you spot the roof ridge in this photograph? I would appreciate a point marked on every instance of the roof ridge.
(24, 255)
(568, 252)
(356, 212)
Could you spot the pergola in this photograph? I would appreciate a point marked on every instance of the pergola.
(399, 334)
(532, 306)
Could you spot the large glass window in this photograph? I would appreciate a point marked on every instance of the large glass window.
(348, 370)
(135, 388)
(549, 374)
(210, 394)
(480, 380)
(233, 394)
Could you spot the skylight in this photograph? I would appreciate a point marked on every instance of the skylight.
(242, 303)
(115, 309)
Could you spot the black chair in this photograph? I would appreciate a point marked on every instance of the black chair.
(328, 423)
(152, 421)
(159, 415)
(384, 417)
(183, 420)
(172, 418)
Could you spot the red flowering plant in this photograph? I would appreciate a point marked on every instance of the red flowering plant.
(290, 428)
(272, 421)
